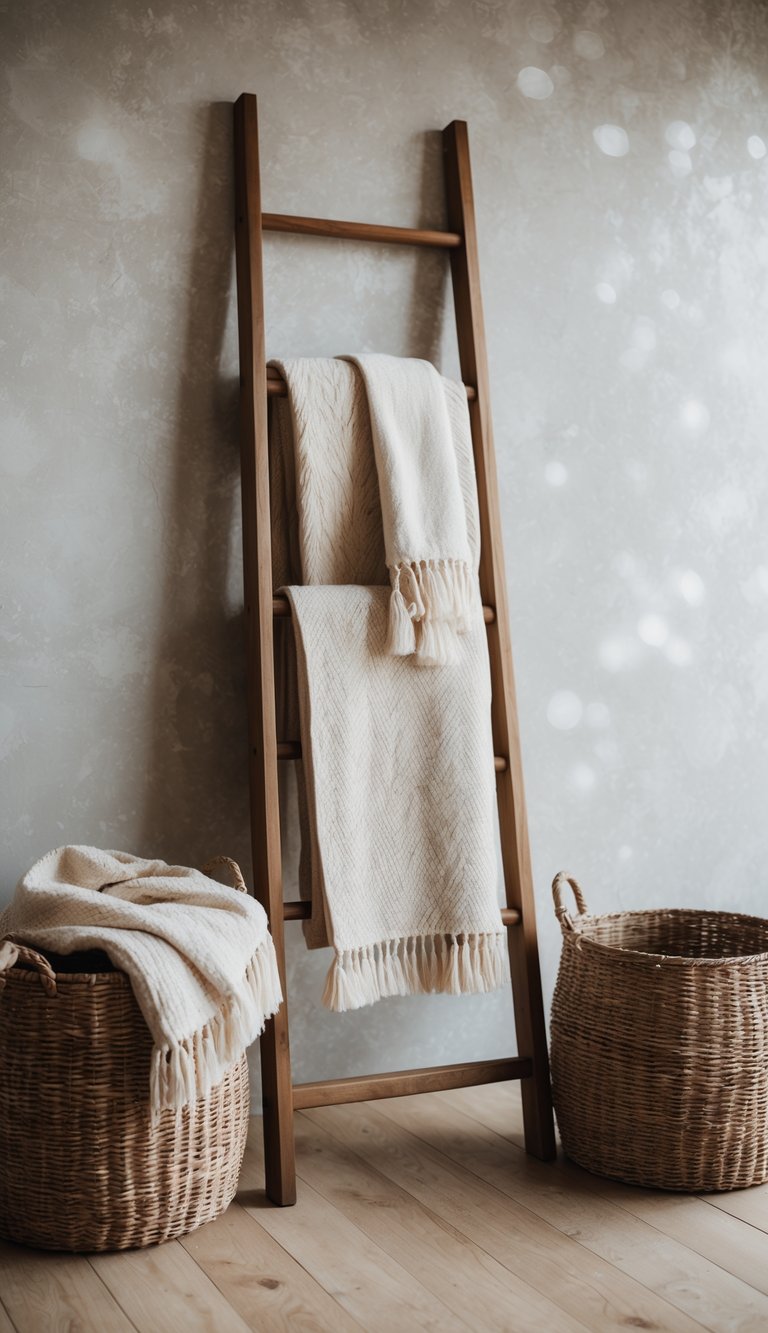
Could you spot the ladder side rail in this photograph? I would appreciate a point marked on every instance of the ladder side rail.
(513, 824)
(257, 573)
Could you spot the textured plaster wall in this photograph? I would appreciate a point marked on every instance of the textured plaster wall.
(622, 191)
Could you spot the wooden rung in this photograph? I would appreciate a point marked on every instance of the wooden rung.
(360, 231)
(301, 909)
(292, 750)
(333, 1091)
(281, 608)
(277, 387)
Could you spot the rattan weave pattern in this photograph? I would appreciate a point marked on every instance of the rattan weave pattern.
(82, 1166)
(660, 1045)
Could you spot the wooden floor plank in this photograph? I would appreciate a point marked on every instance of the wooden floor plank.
(719, 1234)
(261, 1281)
(585, 1286)
(42, 1291)
(468, 1280)
(750, 1206)
(162, 1288)
(376, 1291)
(5, 1320)
(423, 1213)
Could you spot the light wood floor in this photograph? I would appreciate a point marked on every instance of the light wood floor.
(420, 1213)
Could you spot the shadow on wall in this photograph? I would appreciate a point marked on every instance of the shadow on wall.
(195, 790)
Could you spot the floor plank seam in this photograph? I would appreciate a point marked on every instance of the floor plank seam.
(587, 1249)
(721, 1208)
(7, 1314)
(441, 1222)
(111, 1294)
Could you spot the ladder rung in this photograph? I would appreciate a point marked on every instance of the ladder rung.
(292, 750)
(332, 1091)
(301, 909)
(360, 231)
(277, 387)
(281, 608)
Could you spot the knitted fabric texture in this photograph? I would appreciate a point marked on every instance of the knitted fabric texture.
(396, 784)
(422, 507)
(199, 956)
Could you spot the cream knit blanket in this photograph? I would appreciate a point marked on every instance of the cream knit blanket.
(199, 956)
(397, 779)
(423, 509)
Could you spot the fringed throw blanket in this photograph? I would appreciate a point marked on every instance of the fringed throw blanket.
(199, 956)
(422, 507)
(397, 781)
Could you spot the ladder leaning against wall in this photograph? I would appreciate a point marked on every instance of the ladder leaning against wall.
(281, 1095)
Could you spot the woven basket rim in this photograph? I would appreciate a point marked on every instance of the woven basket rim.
(27, 974)
(580, 938)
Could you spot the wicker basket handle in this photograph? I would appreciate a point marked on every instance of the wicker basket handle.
(561, 911)
(237, 877)
(11, 953)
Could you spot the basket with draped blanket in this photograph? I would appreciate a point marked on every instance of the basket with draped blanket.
(99, 1148)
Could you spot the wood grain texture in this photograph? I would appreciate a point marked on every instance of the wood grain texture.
(360, 231)
(259, 1279)
(587, 1287)
(375, 1290)
(163, 1288)
(42, 1291)
(632, 1238)
(406, 1082)
(513, 820)
(257, 575)
(425, 1212)
(475, 1286)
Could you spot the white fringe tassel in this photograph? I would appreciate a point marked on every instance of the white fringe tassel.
(188, 1070)
(416, 965)
(431, 603)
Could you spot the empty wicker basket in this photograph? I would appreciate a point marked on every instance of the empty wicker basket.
(660, 1045)
(82, 1165)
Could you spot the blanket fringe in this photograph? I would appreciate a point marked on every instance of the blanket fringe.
(416, 965)
(431, 603)
(184, 1072)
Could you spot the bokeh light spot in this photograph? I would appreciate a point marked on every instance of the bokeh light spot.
(611, 140)
(653, 630)
(605, 293)
(564, 710)
(535, 83)
(679, 134)
(694, 416)
(556, 473)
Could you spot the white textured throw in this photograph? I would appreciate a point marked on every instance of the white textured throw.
(423, 511)
(397, 780)
(399, 772)
(199, 956)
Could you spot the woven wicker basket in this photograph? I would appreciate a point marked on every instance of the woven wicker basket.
(660, 1045)
(82, 1166)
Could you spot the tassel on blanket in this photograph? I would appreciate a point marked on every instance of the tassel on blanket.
(431, 604)
(182, 1073)
(416, 965)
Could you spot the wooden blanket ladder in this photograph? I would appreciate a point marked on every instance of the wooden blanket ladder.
(281, 1095)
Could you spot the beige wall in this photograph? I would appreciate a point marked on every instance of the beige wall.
(621, 183)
